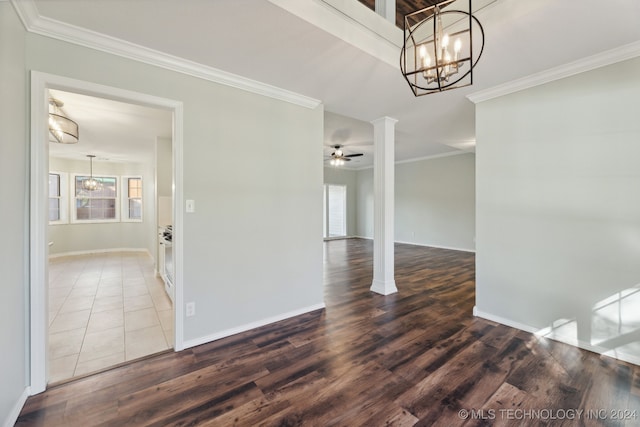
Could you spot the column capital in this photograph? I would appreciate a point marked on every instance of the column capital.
(384, 119)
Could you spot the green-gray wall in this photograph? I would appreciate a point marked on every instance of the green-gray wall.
(14, 215)
(241, 207)
(253, 247)
(74, 237)
(558, 209)
(434, 202)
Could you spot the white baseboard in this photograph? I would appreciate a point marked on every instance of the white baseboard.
(12, 417)
(249, 326)
(451, 248)
(542, 332)
(338, 238)
(98, 251)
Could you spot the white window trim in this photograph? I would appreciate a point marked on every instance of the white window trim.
(72, 201)
(124, 192)
(64, 198)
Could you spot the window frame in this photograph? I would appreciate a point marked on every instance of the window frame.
(72, 201)
(126, 213)
(63, 198)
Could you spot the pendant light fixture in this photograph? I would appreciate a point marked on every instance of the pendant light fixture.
(441, 47)
(91, 184)
(63, 129)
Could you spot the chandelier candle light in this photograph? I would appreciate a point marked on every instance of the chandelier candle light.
(439, 51)
(63, 129)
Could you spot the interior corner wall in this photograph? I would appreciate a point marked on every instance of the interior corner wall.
(434, 202)
(347, 178)
(14, 216)
(558, 209)
(95, 237)
(253, 246)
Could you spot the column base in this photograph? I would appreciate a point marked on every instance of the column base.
(383, 288)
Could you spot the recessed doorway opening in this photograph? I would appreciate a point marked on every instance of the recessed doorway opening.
(97, 295)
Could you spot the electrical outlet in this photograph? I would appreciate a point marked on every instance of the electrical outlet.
(191, 309)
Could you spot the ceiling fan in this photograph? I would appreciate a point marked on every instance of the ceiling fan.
(337, 157)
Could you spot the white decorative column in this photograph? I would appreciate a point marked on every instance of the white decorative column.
(387, 9)
(383, 206)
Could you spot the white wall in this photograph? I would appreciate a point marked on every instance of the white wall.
(14, 216)
(337, 176)
(69, 238)
(558, 209)
(434, 202)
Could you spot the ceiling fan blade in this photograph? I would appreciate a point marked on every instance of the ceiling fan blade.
(354, 155)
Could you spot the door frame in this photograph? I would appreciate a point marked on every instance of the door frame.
(39, 248)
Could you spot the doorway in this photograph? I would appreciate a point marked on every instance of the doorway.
(41, 85)
(335, 211)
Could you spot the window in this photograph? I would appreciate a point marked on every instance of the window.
(99, 205)
(54, 197)
(132, 198)
(335, 210)
(58, 198)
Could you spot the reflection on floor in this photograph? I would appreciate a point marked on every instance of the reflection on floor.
(105, 309)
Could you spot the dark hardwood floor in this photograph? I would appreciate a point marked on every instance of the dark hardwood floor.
(417, 357)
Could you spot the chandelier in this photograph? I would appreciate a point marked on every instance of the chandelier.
(63, 129)
(440, 51)
(92, 183)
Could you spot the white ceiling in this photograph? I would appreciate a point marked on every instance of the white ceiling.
(261, 41)
(111, 130)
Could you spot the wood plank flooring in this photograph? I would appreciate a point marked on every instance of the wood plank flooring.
(417, 357)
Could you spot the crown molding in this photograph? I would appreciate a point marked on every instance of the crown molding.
(589, 63)
(435, 156)
(413, 160)
(34, 23)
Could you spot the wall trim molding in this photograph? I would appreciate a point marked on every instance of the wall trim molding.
(416, 159)
(589, 63)
(541, 333)
(98, 251)
(34, 23)
(435, 156)
(13, 415)
(248, 326)
(450, 248)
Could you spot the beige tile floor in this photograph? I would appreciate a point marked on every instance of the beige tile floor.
(105, 309)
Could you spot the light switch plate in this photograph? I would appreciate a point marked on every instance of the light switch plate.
(191, 206)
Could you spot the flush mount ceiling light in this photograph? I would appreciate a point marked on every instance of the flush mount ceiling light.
(63, 129)
(91, 184)
(441, 47)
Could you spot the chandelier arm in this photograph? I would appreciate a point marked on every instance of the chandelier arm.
(441, 86)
